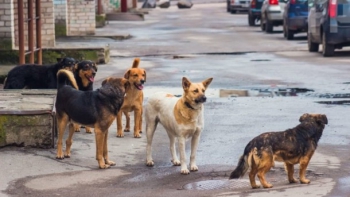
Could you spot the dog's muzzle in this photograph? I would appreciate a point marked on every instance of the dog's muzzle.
(201, 99)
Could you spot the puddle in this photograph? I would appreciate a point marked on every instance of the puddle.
(339, 102)
(265, 92)
(217, 184)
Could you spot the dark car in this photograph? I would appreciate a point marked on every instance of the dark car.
(254, 11)
(329, 25)
(235, 6)
(295, 18)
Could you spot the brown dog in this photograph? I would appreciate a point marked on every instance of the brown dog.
(133, 100)
(293, 146)
(97, 109)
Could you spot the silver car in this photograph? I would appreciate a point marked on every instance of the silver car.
(235, 6)
(272, 14)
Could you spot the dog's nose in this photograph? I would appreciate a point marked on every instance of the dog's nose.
(142, 81)
(204, 99)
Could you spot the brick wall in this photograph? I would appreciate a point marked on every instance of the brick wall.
(81, 18)
(6, 22)
(60, 9)
(47, 23)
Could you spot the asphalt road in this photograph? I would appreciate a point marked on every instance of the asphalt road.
(202, 42)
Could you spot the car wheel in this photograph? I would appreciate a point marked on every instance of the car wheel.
(233, 11)
(284, 31)
(269, 26)
(312, 46)
(327, 49)
(289, 34)
(251, 20)
(262, 24)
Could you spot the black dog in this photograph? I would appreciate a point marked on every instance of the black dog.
(34, 76)
(84, 74)
(97, 109)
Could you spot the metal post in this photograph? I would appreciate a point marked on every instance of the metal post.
(38, 31)
(30, 32)
(20, 31)
(99, 7)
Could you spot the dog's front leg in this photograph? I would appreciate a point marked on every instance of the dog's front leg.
(303, 163)
(62, 123)
(194, 145)
(105, 150)
(69, 140)
(120, 132)
(100, 138)
(174, 160)
(137, 129)
(184, 169)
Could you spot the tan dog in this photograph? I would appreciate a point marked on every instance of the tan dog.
(292, 146)
(133, 100)
(182, 118)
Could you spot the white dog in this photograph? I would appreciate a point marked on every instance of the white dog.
(182, 118)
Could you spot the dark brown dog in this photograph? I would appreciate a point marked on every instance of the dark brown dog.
(133, 100)
(97, 109)
(84, 74)
(293, 146)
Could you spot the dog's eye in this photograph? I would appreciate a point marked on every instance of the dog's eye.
(203, 90)
(135, 75)
(195, 91)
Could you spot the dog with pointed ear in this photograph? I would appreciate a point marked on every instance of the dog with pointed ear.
(133, 100)
(182, 119)
(318, 118)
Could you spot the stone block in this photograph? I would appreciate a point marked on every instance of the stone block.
(27, 118)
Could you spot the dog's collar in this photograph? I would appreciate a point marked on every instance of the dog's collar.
(188, 105)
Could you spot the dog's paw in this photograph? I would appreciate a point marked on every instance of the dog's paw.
(111, 163)
(185, 171)
(150, 163)
(255, 186)
(176, 162)
(59, 156)
(304, 181)
(140, 132)
(194, 168)
(120, 135)
(67, 156)
(77, 131)
(104, 166)
(126, 130)
(137, 135)
(268, 185)
(88, 130)
(293, 180)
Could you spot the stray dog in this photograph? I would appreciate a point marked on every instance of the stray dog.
(84, 74)
(182, 118)
(296, 145)
(96, 109)
(34, 76)
(133, 100)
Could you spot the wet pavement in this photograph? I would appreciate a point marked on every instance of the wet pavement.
(282, 78)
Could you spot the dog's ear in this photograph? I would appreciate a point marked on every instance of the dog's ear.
(207, 82)
(145, 75)
(125, 83)
(94, 65)
(127, 74)
(105, 81)
(322, 118)
(136, 63)
(303, 117)
(185, 83)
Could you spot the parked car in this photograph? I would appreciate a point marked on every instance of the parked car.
(237, 5)
(295, 18)
(272, 14)
(329, 25)
(254, 12)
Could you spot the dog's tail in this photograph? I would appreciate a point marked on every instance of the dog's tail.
(136, 63)
(245, 161)
(66, 77)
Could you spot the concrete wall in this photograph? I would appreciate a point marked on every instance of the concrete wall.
(81, 18)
